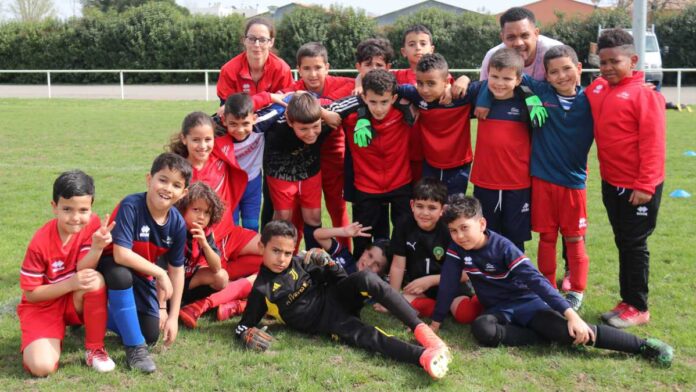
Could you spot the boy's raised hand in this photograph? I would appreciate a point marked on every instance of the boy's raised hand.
(198, 234)
(102, 237)
(362, 135)
(356, 229)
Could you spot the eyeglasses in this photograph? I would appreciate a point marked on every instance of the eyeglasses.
(258, 40)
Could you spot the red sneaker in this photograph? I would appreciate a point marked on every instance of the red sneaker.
(426, 337)
(618, 309)
(190, 313)
(630, 317)
(435, 361)
(565, 284)
(99, 360)
(231, 309)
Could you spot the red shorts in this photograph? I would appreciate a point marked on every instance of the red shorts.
(47, 319)
(555, 206)
(284, 194)
(231, 245)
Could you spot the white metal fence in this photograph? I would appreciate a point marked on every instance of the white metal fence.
(206, 73)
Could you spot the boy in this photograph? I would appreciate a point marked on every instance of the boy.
(520, 305)
(381, 168)
(148, 231)
(558, 167)
(239, 119)
(59, 283)
(375, 257)
(629, 126)
(419, 243)
(501, 169)
(317, 297)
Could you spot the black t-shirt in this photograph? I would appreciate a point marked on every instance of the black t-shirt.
(424, 250)
(288, 158)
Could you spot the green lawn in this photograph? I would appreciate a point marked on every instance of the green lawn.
(115, 142)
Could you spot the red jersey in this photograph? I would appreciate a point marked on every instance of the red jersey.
(446, 136)
(384, 165)
(629, 127)
(47, 261)
(235, 77)
(228, 180)
(503, 149)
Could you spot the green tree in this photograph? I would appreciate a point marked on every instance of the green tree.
(123, 5)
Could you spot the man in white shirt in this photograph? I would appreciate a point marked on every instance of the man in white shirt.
(519, 32)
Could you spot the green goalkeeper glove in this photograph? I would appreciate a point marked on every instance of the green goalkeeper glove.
(362, 135)
(537, 112)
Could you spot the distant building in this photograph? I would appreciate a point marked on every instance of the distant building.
(391, 17)
(545, 10)
(218, 9)
(277, 13)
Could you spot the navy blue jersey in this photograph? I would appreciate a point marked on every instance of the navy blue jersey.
(500, 274)
(342, 256)
(136, 230)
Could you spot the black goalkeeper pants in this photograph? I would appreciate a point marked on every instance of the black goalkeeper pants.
(341, 316)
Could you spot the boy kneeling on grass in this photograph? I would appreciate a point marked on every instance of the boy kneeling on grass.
(520, 305)
(316, 296)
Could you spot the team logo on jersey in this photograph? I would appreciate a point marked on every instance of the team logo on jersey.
(525, 208)
(642, 211)
(412, 245)
(582, 223)
(467, 260)
(514, 111)
(294, 275)
(623, 95)
(246, 87)
(423, 105)
(489, 267)
(438, 252)
(169, 241)
(598, 89)
(276, 286)
(145, 232)
(57, 265)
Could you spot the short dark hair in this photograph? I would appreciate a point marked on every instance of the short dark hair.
(507, 58)
(432, 61)
(200, 190)
(312, 49)
(239, 105)
(262, 21)
(385, 246)
(192, 120)
(379, 81)
(515, 14)
(614, 38)
(374, 47)
(73, 183)
(417, 28)
(174, 162)
(429, 188)
(278, 228)
(461, 206)
(303, 108)
(560, 51)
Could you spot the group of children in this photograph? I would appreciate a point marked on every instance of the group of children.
(402, 145)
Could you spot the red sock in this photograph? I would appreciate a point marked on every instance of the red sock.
(546, 256)
(424, 306)
(467, 310)
(238, 289)
(243, 266)
(579, 265)
(94, 317)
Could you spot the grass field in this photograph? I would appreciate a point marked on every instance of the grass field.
(115, 142)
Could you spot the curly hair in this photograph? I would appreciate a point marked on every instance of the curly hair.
(615, 38)
(200, 190)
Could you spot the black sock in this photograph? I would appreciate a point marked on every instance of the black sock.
(309, 240)
(615, 339)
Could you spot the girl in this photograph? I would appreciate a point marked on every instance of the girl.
(214, 164)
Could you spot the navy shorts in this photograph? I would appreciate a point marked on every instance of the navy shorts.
(507, 212)
(456, 178)
(520, 312)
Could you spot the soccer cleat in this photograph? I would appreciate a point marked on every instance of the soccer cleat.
(565, 283)
(137, 357)
(99, 360)
(630, 317)
(190, 313)
(233, 308)
(427, 338)
(574, 299)
(658, 351)
(435, 361)
(619, 308)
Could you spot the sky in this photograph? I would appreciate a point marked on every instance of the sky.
(66, 8)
